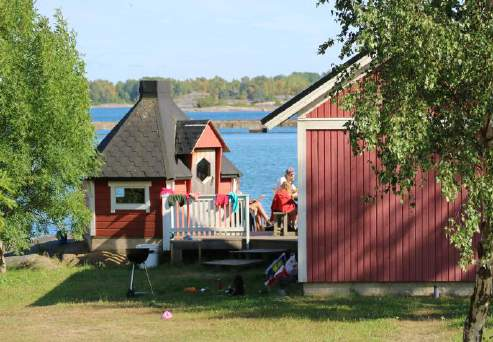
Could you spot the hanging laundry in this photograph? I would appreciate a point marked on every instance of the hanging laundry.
(233, 197)
(176, 198)
(222, 200)
(166, 191)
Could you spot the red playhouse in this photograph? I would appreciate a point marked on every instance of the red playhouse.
(345, 244)
(154, 146)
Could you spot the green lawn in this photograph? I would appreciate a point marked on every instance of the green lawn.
(87, 303)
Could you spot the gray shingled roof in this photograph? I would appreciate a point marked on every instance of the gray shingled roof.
(228, 169)
(142, 144)
(187, 134)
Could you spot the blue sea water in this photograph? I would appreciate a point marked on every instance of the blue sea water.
(261, 157)
(115, 114)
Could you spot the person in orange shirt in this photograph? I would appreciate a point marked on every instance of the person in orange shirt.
(283, 202)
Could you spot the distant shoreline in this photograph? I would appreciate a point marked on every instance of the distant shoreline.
(112, 105)
(266, 108)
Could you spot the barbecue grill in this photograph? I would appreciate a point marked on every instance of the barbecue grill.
(138, 256)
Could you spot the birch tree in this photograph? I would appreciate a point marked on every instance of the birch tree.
(429, 108)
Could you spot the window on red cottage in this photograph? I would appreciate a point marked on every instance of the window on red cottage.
(130, 195)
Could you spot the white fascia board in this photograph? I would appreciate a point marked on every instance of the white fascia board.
(314, 96)
(91, 193)
(324, 98)
(324, 123)
(302, 230)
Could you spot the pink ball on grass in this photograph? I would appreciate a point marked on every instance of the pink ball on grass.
(167, 315)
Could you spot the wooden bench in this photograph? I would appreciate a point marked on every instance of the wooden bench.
(281, 225)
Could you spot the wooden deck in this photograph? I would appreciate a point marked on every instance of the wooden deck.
(202, 225)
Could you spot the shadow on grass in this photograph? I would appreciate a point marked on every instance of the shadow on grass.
(108, 287)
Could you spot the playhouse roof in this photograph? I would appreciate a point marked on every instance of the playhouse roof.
(316, 92)
(228, 169)
(146, 141)
(188, 133)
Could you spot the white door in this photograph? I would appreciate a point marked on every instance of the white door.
(204, 171)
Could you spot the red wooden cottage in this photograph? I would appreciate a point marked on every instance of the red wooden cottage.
(154, 145)
(344, 243)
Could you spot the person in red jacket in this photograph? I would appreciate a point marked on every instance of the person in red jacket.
(283, 202)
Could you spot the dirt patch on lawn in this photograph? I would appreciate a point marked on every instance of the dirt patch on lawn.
(33, 261)
(104, 258)
(40, 262)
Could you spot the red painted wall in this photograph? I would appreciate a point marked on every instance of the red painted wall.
(182, 186)
(381, 241)
(225, 186)
(208, 139)
(127, 223)
(329, 109)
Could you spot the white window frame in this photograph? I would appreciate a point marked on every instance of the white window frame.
(130, 206)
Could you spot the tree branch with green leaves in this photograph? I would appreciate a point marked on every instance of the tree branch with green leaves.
(47, 142)
(429, 108)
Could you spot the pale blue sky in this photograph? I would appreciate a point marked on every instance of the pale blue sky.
(123, 39)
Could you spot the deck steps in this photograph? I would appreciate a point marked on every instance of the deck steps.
(233, 262)
(259, 251)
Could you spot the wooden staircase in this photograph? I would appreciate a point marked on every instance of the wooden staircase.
(247, 258)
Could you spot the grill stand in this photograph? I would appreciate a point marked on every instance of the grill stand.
(131, 291)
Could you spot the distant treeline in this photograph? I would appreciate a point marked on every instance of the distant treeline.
(214, 90)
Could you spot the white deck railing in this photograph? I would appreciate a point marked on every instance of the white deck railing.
(202, 218)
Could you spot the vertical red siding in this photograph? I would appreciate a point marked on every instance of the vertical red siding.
(377, 241)
(340, 208)
(225, 186)
(329, 109)
(327, 207)
(127, 223)
(309, 207)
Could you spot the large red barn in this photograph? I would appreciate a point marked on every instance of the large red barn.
(346, 243)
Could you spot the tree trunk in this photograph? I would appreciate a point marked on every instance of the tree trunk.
(478, 309)
(3, 264)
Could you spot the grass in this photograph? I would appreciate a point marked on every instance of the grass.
(87, 303)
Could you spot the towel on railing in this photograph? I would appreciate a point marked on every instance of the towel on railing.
(233, 197)
(221, 200)
(176, 198)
